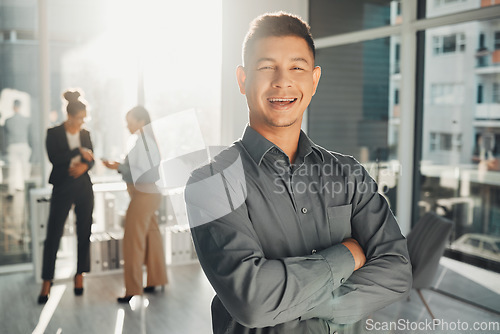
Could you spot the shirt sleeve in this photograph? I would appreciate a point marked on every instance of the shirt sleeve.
(386, 276)
(256, 291)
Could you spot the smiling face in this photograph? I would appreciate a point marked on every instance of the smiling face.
(279, 81)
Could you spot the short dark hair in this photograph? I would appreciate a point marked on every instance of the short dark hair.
(276, 25)
(140, 113)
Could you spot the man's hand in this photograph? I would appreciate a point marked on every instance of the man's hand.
(86, 154)
(78, 169)
(356, 251)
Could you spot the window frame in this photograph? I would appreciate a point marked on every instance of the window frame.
(412, 31)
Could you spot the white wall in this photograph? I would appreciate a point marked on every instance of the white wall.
(236, 17)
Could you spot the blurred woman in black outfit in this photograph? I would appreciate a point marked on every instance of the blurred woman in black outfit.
(70, 151)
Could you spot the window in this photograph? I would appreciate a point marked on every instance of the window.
(397, 51)
(439, 3)
(329, 17)
(488, 247)
(447, 94)
(461, 42)
(481, 41)
(459, 162)
(457, 142)
(448, 43)
(95, 55)
(445, 141)
(433, 137)
(472, 242)
(496, 92)
(353, 116)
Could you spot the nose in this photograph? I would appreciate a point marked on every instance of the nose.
(281, 79)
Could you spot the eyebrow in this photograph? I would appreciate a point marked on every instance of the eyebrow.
(299, 59)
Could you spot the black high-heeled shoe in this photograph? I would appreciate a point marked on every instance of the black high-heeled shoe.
(149, 289)
(43, 299)
(77, 291)
(124, 300)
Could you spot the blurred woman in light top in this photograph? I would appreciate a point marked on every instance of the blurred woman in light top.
(142, 241)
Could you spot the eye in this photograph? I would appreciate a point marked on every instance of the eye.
(297, 68)
(265, 67)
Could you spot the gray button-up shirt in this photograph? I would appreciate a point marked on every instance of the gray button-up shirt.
(268, 235)
(17, 129)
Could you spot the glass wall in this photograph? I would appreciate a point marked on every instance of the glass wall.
(358, 110)
(20, 161)
(355, 109)
(363, 15)
(120, 54)
(459, 166)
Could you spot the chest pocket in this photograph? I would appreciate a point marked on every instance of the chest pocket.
(339, 221)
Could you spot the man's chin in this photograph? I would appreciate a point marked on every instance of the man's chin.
(282, 123)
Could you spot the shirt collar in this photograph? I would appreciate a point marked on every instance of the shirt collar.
(257, 145)
(306, 146)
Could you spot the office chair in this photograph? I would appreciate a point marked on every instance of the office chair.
(426, 243)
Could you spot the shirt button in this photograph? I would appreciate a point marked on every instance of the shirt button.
(304, 210)
(342, 280)
(313, 251)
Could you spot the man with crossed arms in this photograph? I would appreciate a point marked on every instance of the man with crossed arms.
(293, 238)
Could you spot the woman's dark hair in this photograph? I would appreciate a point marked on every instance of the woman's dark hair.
(276, 25)
(75, 103)
(140, 113)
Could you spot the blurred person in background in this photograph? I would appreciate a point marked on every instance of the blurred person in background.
(142, 241)
(17, 133)
(69, 148)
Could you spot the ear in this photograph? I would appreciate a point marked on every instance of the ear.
(316, 76)
(241, 76)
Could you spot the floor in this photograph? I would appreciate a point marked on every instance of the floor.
(186, 297)
(184, 307)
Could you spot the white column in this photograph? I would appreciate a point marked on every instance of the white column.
(44, 82)
(407, 125)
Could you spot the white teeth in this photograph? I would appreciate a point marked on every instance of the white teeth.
(281, 100)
